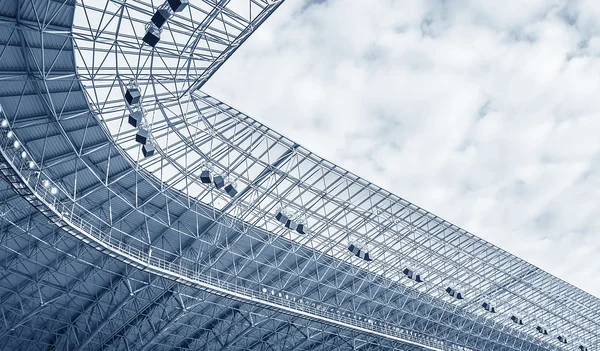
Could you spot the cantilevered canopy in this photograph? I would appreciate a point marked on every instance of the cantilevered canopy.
(102, 247)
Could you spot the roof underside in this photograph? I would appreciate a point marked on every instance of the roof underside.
(65, 105)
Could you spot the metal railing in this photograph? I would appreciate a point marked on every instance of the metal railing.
(83, 224)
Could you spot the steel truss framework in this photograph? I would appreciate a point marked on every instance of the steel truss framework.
(102, 248)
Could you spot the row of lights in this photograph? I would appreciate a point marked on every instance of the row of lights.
(360, 252)
(486, 306)
(283, 216)
(24, 156)
(287, 219)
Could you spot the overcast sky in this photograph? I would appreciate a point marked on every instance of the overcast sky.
(486, 113)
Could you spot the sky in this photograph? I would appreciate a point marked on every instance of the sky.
(484, 113)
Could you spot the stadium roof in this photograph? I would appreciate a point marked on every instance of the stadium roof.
(105, 248)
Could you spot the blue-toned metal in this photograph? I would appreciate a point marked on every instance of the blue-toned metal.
(103, 248)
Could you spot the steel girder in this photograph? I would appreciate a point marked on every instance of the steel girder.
(121, 305)
(64, 117)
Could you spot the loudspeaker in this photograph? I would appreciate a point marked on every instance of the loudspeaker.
(160, 17)
(142, 136)
(281, 217)
(301, 228)
(132, 96)
(152, 36)
(178, 5)
(148, 150)
(412, 275)
(205, 177)
(454, 293)
(230, 190)
(218, 181)
(291, 224)
(135, 118)
(489, 307)
(562, 339)
(517, 320)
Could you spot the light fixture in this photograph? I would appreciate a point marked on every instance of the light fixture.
(264, 290)
(454, 293)
(10, 134)
(358, 252)
(412, 275)
(488, 307)
(562, 339)
(291, 221)
(23, 154)
(291, 224)
(54, 191)
(46, 183)
(302, 227)
(31, 164)
(4, 123)
(541, 330)
(16, 144)
(516, 320)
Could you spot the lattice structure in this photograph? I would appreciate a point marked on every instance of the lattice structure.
(229, 235)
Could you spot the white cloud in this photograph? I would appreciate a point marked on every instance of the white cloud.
(483, 112)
